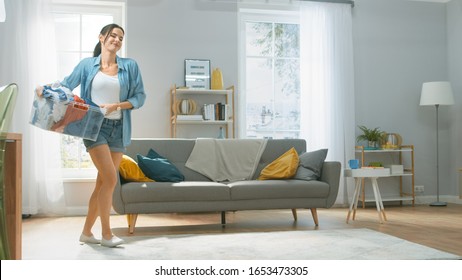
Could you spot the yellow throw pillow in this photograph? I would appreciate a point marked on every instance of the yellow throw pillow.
(284, 167)
(130, 171)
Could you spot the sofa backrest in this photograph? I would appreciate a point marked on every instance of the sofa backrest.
(177, 151)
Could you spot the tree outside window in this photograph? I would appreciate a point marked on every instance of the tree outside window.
(272, 67)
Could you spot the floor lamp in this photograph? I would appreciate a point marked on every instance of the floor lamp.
(437, 93)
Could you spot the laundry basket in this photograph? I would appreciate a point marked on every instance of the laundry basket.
(67, 117)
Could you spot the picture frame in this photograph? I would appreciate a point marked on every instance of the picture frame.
(197, 73)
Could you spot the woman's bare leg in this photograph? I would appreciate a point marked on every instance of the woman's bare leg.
(107, 163)
(93, 210)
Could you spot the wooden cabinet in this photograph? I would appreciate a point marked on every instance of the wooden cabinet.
(403, 189)
(214, 110)
(13, 193)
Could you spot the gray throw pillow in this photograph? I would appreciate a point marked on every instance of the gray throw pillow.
(310, 165)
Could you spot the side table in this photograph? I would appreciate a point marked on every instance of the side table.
(372, 174)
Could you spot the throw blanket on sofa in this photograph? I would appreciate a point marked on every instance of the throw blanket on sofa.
(226, 159)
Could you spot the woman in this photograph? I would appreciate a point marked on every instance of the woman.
(115, 84)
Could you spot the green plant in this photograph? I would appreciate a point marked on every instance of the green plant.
(370, 134)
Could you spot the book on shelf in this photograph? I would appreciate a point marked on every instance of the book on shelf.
(189, 118)
(215, 112)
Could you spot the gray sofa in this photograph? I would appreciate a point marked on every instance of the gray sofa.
(199, 194)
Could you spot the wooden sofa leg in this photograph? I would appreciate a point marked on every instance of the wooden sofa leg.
(314, 213)
(294, 213)
(131, 219)
(223, 218)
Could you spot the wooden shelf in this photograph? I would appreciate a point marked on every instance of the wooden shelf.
(390, 198)
(401, 152)
(202, 91)
(226, 96)
(202, 122)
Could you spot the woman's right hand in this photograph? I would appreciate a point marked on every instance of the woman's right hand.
(39, 91)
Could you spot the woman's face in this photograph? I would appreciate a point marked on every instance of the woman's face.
(112, 42)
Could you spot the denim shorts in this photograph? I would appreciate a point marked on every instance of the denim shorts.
(109, 134)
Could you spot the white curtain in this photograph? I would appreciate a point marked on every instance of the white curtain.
(2, 11)
(327, 82)
(28, 58)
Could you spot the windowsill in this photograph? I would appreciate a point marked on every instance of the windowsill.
(79, 180)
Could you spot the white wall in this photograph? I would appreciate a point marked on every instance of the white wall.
(161, 35)
(454, 27)
(399, 45)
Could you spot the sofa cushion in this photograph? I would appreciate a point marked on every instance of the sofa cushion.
(278, 189)
(284, 167)
(310, 165)
(130, 171)
(159, 169)
(170, 192)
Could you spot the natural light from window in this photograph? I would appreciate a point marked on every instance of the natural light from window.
(77, 27)
(272, 79)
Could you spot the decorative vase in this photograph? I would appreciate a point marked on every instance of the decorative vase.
(217, 79)
(221, 134)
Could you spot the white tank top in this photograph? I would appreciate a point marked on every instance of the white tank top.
(105, 89)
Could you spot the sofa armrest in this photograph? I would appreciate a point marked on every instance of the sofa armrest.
(117, 202)
(331, 174)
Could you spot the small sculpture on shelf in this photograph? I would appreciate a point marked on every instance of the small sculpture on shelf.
(392, 142)
(221, 133)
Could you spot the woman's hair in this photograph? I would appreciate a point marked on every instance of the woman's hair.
(105, 31)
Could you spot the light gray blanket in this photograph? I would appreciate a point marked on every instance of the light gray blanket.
(226, 159)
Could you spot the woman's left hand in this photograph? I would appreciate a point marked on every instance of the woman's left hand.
(109, 108)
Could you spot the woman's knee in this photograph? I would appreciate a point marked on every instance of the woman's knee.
(109, 182)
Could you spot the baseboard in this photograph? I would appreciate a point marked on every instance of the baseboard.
(419, 200)
(68, 211)
(427, 199)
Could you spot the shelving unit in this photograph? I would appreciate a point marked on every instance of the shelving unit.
(406, 189)
(202, 97)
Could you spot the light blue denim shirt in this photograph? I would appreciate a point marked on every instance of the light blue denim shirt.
(131, 86)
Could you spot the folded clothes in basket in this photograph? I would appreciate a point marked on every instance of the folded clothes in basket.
(60, 111)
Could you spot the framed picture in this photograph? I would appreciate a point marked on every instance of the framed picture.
(197, 73)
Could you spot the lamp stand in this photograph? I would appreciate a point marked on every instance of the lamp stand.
(437, 202)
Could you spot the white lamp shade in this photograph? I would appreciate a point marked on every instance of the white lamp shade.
(436, 93)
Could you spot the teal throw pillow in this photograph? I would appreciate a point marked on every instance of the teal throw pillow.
(158, 168)
(310, 165)
(153, 154)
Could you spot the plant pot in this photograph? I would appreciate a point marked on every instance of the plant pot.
(372, 144)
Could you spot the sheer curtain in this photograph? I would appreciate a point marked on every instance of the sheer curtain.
(28, 58)
(327, 82)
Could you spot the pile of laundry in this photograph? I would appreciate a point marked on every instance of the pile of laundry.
(59, 110)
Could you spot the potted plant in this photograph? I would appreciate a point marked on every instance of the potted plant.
(373, 136)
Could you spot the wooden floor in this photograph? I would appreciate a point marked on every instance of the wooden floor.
(436, 227)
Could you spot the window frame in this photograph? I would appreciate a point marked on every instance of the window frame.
(284, 15)
(117, 10)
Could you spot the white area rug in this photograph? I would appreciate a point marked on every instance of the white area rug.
(350, 244)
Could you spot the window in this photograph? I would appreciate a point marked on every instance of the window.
(77, 26)
(270, 72)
